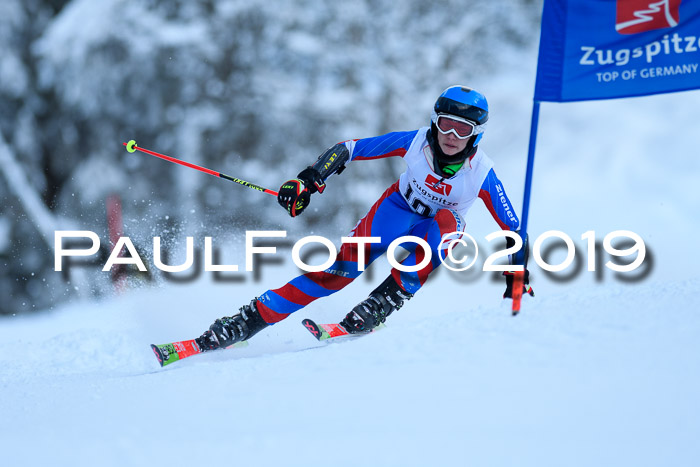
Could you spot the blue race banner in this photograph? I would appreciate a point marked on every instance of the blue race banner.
(604, 49)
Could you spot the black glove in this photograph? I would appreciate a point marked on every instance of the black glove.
(312, 180)
(509, 284)
(294, 195)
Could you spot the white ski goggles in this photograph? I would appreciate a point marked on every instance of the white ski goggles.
(460, 127)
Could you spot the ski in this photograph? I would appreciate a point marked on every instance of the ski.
(169, 353)
(330, 331)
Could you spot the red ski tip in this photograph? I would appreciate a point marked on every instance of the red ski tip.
(159, 355)
(313, 328)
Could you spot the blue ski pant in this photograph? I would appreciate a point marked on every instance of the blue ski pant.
(389, 218)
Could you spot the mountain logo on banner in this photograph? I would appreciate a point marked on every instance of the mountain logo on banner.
(635, 16)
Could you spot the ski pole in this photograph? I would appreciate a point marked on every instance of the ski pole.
(131, 146)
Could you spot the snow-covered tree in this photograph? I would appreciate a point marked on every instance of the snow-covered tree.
(254, 88)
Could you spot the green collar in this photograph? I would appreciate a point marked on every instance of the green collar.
(452, 169)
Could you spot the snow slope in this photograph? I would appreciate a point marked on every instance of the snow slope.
(591, 373)
(596, 376)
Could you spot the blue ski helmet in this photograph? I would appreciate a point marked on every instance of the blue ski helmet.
(465, 103)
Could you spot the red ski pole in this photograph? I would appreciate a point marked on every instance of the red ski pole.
(518, 281)
(131, 146)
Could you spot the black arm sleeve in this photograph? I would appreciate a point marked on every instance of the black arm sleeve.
(332, 160)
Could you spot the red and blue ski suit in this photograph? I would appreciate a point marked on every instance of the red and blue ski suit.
(421, 203)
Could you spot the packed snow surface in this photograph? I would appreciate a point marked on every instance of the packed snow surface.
(593, 376)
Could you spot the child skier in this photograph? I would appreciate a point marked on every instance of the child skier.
(446, 172)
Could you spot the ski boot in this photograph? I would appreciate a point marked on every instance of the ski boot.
(374, 310)
(228, 330)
